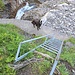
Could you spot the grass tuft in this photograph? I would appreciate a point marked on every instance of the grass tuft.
(9, 40)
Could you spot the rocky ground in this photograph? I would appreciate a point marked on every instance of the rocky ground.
(61, 17)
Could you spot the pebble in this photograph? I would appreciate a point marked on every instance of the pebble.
(61, 17)
(61, 20)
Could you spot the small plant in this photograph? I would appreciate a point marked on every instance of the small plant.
(9, 39)
(72, 40)
(11, 36)
(63, 70)
(1, 5)
(41, 68)
(68, 55)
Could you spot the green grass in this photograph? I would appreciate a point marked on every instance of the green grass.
(1, 5)
(11, 36)
(9, 40)
(41, 68)
(68, 54)
(63, 70)
(72, 40)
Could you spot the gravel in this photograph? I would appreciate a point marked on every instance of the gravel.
(61, 17)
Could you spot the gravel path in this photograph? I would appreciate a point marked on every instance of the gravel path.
(26, 26)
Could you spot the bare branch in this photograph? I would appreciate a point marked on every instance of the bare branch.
(44, 55)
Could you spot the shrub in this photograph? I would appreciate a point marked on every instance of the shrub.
(9, 39)
(1, 5)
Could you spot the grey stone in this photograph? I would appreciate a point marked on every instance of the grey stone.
(61, 17)
(71, 1)
(69, 44)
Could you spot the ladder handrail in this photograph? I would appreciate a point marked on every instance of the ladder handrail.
(35, 39)
(49, 41)
(18, 51)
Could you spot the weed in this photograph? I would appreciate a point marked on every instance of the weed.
(72, 40)
(9, 40)
(1, 5)
(63, 70)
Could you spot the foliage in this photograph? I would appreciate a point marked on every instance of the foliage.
(9, 39)
(63, 69)
(1, 5)
(72, 40)
(11, 36)
(41, 67)
(68, 54)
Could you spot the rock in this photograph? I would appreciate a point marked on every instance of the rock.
(35, 13)
(41, 1)
(42, 8)
(71, 1)
(63, 6)
(62, 20)
(69, 44)
(61, 17)
(53, 1)
(40, 11)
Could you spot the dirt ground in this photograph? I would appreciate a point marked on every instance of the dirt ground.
(28, 70)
